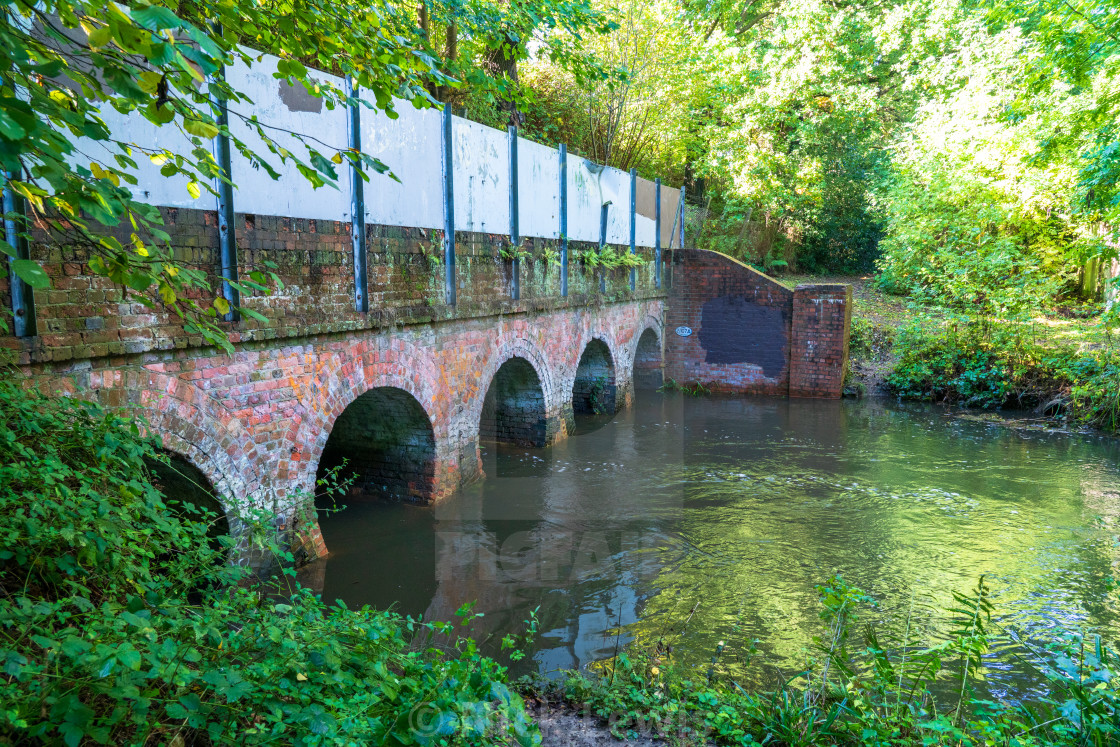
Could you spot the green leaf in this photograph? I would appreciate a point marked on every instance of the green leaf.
(201, 128)
(100, 36)
(30, 272)
(193, 190)
(155, 18)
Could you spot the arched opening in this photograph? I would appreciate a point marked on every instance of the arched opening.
(593, 392)
(384, 441)
(647, 362)
(188, 492)
(513, 411)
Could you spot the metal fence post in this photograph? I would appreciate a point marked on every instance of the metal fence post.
(514, 229)
(357, 203)
(563, 220)
(657, 233)
(603, 244)
(227, 233)
(23, 296)
(448, 209)
(682, 217)
(633, 228)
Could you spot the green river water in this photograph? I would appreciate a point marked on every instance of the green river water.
(725, 513)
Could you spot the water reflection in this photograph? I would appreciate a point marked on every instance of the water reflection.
(743, 506)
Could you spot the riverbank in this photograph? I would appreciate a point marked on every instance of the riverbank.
(864, 684)
(1062, 365)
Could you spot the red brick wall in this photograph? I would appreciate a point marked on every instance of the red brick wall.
(822, 319)
(749, 333)
(83, 316)
(257, 422)
(725, 351)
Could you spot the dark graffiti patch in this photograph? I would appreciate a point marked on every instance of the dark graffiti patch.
(297, 99)
(734, 330)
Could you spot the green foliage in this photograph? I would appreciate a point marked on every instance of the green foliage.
(67, 61)
(898, 685)
(121, 624)
(870, 341)
(695, 389)
(609, 258)
(982, 362)
(974, 362)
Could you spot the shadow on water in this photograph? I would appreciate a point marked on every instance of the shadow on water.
(744, 505)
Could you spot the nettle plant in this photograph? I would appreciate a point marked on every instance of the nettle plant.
(67, 62)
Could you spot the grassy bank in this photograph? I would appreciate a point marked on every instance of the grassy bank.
(874, 685)
(1062, 363)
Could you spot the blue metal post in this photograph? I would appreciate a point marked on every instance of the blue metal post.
(448, 209)
(514, 232)
(23, 297)
(603, 244)
(682, 217)
(357, 203)
(633, 228)
(227, 238)
(657, 233)
(563, 220)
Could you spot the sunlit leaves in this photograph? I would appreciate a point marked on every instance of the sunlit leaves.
(85, 58)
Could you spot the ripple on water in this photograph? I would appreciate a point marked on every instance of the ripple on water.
(727, 513)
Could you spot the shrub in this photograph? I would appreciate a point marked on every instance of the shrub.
(975, 362)
(979, 362)
(120, 624)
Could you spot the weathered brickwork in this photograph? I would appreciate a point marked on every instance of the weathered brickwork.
(647, 362)
(741, 331)
(595, 387)
(257, 422)
(406, 391)
(822, 320)
(83, 316)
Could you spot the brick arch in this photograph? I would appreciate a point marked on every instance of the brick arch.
(586, 395)
(506, 349)
(649, 323)
(187, 421)
(589, 332)
(339, 378)
(649, 377)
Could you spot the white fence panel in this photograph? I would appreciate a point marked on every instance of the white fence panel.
(283, 109)
(481, 177)
(538, 169)
(151, 187)
(411, 146)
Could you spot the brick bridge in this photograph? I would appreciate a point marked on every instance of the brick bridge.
(406, 391)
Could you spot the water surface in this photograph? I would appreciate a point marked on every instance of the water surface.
(725, 513)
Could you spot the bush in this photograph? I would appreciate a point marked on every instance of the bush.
(975, 362)
(870, 341)
(121, 624)
(979, 362)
